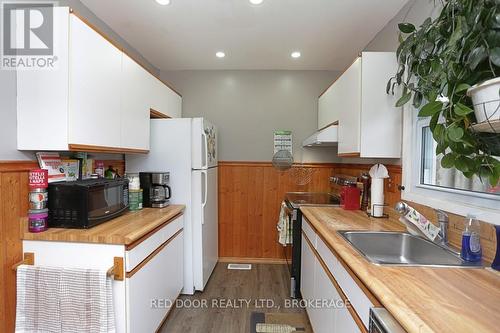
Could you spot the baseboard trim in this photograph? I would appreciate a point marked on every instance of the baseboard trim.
(233, 260)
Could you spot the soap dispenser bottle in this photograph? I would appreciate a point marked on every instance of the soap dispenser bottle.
(471, 245)
(496, 261)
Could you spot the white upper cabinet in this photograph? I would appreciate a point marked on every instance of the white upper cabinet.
(95, 81)
(381, 121)
(369, 125)
(135, 105)
(348, 105)
(96, 98)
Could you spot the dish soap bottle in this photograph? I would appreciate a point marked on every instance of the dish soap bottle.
(471, 245)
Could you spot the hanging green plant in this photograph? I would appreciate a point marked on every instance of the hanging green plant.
(438, 63)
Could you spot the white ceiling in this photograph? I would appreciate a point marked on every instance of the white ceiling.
(187, 33)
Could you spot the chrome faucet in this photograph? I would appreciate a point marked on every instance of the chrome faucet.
(444, 221)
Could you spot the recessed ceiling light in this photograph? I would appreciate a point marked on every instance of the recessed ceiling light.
(220, 54)
(295, 54)
(256, 2)
(163, 2)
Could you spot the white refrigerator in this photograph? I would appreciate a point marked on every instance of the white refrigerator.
(187, 148)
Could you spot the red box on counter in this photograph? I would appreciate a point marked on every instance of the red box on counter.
(38, 178)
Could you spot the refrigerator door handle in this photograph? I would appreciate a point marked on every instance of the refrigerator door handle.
(205, 190)
(205, 145)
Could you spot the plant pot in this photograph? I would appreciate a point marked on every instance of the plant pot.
(486, 100)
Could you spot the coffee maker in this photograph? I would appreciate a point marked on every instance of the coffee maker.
(156, 191)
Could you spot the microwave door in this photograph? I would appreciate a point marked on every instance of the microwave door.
(105, 202)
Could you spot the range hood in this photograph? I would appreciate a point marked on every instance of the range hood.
(326, 137)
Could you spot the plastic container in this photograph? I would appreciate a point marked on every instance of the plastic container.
(37, 220)
(496, 261)
(135, 199)
(134, 182)
(471, 245)
(38, 198)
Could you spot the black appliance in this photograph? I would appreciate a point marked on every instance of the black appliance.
(86, 203)
(293, 201)
(156, 191)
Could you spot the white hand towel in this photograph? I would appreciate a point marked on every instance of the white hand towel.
(284, 227)
(63, 300)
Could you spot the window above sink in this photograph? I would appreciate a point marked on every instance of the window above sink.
(427, 182)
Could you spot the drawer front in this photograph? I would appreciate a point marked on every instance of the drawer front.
(309, 231)
(137, 254)
(359, 301)
(152, 290)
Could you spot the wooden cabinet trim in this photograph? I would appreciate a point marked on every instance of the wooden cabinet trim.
(152, 255)
(349, 155)
(346, 301)
(104, 149)
(120, 47)
(146, 236)
(360, 284)
(18, 166)
(153, 114)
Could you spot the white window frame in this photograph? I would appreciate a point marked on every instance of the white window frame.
(485, 206)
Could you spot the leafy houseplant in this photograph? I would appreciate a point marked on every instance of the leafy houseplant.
(438, 63)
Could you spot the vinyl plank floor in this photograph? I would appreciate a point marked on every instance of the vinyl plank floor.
(229, 299)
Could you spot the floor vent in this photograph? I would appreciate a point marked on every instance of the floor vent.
(243, 267)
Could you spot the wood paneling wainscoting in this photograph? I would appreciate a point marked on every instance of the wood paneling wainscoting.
(13, 206)
(250, 194)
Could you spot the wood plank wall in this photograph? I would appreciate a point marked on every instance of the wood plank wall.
(250, 194)
(13, 205)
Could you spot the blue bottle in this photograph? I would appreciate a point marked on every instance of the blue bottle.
(496, 261)
(471, 245)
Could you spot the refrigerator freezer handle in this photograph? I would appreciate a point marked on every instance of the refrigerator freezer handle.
(205, 194)
(205, 145)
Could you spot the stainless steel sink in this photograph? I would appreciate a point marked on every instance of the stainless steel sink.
(402, 249)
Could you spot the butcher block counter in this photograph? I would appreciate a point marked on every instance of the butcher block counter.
(421, 299)
(123, 230)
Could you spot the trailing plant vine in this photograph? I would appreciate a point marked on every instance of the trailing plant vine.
(438, 62)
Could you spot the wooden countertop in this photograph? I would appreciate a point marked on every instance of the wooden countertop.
(422, 299)
(123, 230)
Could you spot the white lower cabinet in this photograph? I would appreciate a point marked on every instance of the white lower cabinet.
(326, 309)
(153, 269)
(153, 289)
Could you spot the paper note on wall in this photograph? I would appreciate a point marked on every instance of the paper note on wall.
(283, 141)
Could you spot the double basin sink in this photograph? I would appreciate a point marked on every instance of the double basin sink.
(403, 249)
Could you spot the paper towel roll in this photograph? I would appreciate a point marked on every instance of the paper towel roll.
(377, 197)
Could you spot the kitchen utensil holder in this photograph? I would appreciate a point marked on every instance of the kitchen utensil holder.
(384, 216)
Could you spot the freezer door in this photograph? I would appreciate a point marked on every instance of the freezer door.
(204, 138)
(205, 225)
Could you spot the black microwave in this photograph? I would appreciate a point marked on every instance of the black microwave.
(86, 203)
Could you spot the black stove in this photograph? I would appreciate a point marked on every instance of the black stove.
(319, 199)
(295, 200)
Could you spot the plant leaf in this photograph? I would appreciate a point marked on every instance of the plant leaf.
(430, 109)
(476, 56)
(495, 56)
(462, 110)
(406, 28)
(455, 133)
(403, 100)
(448, 161)
(461, 87)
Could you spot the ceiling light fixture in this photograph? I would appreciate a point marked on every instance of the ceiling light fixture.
(163, 2)
(256, 2)
(220, 54)
(295, 54)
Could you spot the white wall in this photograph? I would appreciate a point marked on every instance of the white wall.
(8, 106)
(247, 106)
